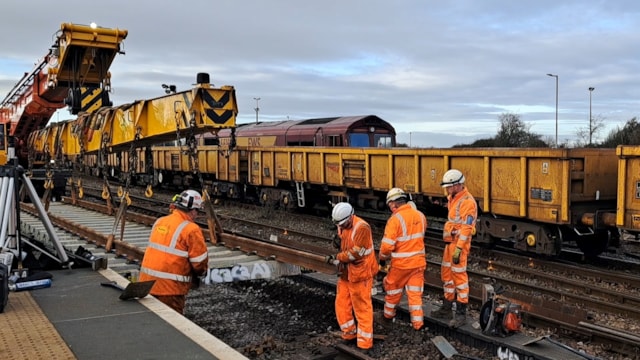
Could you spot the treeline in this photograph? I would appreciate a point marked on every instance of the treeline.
(514, 132)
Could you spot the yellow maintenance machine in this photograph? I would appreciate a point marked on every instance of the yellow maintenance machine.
(77, 63)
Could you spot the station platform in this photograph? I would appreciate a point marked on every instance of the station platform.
(77, 318)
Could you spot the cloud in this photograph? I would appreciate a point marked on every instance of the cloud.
(423, 65)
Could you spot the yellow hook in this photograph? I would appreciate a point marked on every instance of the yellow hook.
(149, 192)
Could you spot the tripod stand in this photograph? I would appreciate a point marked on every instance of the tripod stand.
(12, 179)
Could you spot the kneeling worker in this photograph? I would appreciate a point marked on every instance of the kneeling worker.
(176, 252)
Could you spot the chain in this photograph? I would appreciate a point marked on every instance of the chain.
(133, 158)
(78, 129)
(192, 151)
(177, 118)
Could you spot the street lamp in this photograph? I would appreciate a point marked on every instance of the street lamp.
(257, 108)
(556, 76)
(590, 118)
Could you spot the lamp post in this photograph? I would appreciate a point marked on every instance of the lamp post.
(556, 76)
(257, 109)
(590, 118)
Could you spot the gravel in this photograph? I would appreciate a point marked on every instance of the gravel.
(286, 319)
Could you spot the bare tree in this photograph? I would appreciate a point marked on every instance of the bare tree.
(587, 136)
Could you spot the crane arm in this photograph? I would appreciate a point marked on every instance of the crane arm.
(79, 58)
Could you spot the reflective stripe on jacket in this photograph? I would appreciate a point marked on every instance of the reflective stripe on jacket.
(460, 226)
(403, 239)
(176, 251)
(356, 250)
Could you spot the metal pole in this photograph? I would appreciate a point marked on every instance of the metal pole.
(590, 118)
(556, 76)
(257, 109)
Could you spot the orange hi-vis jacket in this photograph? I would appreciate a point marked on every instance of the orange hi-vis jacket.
(176, 251)
(458, 231)
(356, 250)
(460, 226)
(403, 239)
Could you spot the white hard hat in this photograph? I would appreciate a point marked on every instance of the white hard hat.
(452, 177)
(395, 194)
(188, 200)
(341, 213)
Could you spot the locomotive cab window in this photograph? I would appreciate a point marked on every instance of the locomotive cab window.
(383, 140)
(359, 140)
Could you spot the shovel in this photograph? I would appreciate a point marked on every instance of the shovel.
(133, 290)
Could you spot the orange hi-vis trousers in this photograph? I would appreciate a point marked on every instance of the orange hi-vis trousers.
(411, 280)
(454, 276)
(355, 298)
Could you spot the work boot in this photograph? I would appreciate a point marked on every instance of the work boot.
(445, 311)
(382, 320)
(461, 316)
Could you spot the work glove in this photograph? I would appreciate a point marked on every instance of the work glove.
(456, 255)
(336, 241)
(331, 259)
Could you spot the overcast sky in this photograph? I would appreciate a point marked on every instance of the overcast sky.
(442, 71)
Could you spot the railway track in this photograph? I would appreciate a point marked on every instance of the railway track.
(124, 259)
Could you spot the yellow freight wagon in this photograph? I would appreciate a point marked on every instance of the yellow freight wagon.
(535, 198)
(628, 207)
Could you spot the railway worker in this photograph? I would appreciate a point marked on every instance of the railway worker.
(176, 252)
(403, 245)
(457, 234)
(358, 267)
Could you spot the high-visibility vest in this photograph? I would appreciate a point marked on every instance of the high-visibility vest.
(403, 239)
(461, 222)
(175, 253)
(357, 251)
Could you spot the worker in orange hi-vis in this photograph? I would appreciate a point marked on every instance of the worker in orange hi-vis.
(177, 254)
(357, 268)
(403, 245)
(457, 234)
